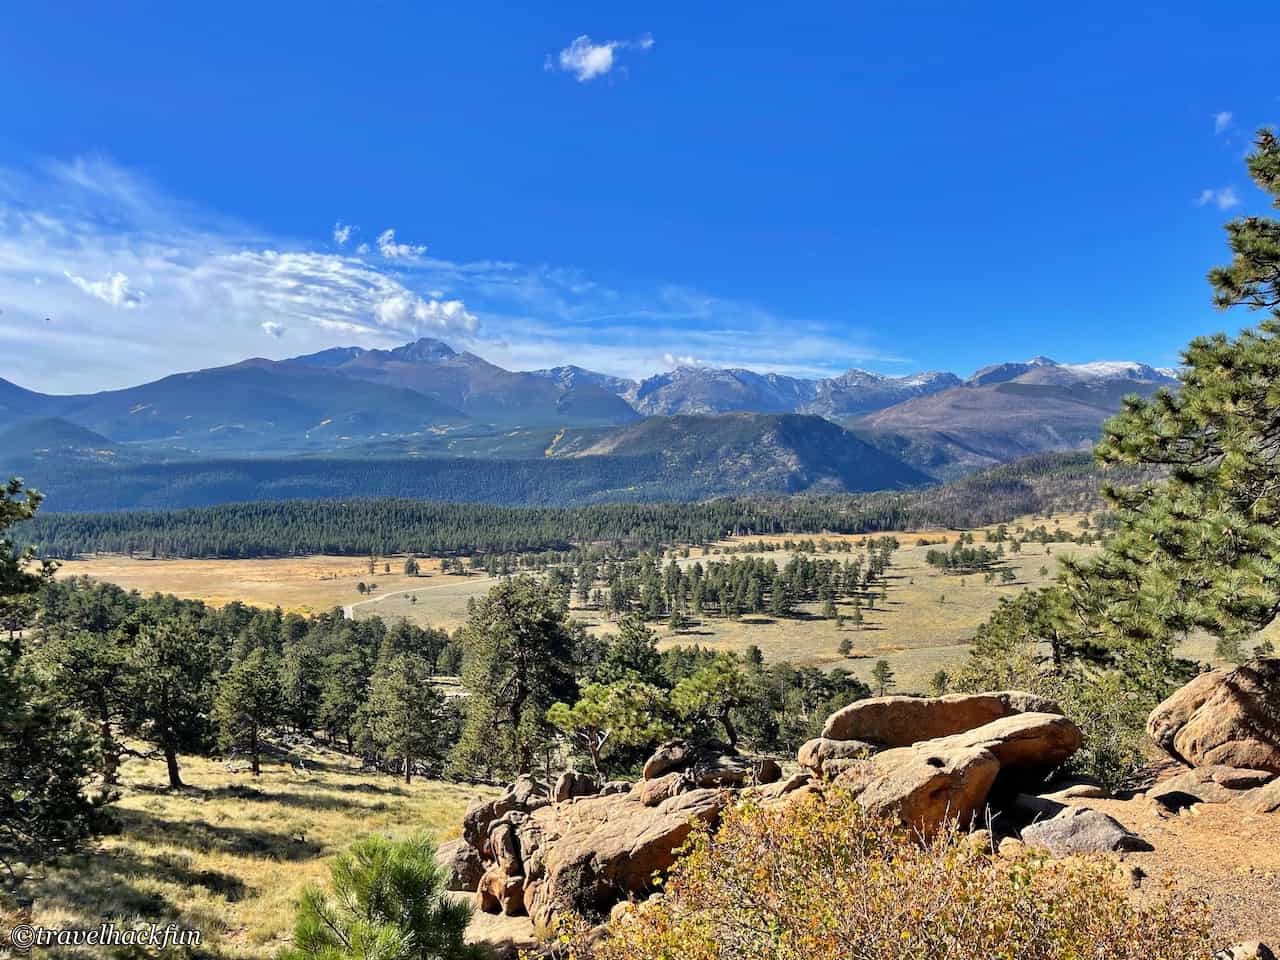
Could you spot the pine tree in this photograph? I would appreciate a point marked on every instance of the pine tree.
(389, 900)
(169, 685)
(518, 661)
(1200, 549)
(249, 704)
(404, 715)
(882, 674)
(45, 750)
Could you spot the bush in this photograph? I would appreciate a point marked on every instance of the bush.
(822, 880)
(388, 902)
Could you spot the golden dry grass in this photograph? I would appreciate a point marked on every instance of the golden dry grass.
(924, 626)
(305, 585)
(229, 855)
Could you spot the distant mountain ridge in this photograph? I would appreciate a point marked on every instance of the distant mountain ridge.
(427, 399)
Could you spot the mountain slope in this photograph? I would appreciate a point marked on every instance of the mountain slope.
(255, 405)
(751, 452)
(480, 389)
(968, 427)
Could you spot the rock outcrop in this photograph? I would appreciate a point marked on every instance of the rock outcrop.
(902, 721)
(1228, 717)
(585, 847)
(927, 781)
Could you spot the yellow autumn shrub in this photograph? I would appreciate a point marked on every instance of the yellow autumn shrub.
(821, 880)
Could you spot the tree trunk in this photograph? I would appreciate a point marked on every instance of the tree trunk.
(254, 759)
(110, 755)
(171, 762)
(408, 769)
(730, 731)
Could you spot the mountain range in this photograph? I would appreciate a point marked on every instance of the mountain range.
(716, 429)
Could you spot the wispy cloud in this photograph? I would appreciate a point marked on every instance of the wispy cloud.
(1224, 198)
(1222, 121)
(389, 248)
(342, 233)
(114, 289)
(586, 59)
(105, 282)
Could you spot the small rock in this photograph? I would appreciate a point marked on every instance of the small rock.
(1011, 848)
(1079, 830)
(1247, 951)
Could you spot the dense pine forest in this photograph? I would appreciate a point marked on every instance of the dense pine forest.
(1041, 484)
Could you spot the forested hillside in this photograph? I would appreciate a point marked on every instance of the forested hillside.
(397, 525)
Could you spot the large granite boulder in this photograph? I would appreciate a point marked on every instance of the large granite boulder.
(1228, 717)
(820, 750)
(922, 788)
(902, 721)
(1262, 799)
(462, 864)
(1081, 830)
(951, 777)
(597, 851)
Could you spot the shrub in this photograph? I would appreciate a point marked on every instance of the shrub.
(388, 901)
(821, 880)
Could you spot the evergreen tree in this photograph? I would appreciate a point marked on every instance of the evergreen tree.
(1200, 549)
(518, 661)
(45, 751)
(882, 675)
(249, 704)
(169, 684)
(404, 715)
(389, 901)
(611, 717)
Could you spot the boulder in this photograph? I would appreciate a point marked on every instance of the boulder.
(504, 848)
(1262, 799)
(1247, 951)
(653, 792)
(901, 721)
(1075, 788)
(814, 753)
(499, 893)
(1228, 717)
(672, 755)
(922, 787)
(1212, 784)
(462, 864)
(572, 784)
(1080, 830)
(598, 850)
(498, 937)
(1033, 740)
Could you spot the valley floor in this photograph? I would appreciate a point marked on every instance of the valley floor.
(923, 626)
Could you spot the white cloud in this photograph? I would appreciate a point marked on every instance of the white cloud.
(1221, 121)
(587, 60)
(388, 247)
(1224, 198)
(114, 289)
(214, 288)
(671, 360)
(342, 233)
(409, 312)
(362, 249)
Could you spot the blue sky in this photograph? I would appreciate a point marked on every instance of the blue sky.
(799, 187)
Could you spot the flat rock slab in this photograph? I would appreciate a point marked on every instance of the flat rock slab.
(1212, 784)
(1080, 830)
(902, 721)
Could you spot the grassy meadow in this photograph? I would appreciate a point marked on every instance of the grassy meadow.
(229, 855)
